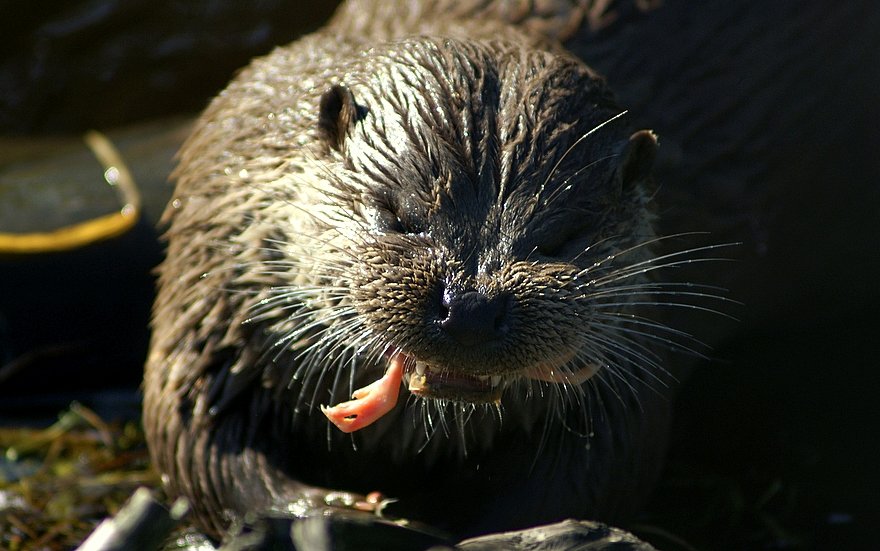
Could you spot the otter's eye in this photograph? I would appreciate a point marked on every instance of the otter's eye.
(405, 225)
(551, 248)
(391, 223)
(391, 219)
(561, 240)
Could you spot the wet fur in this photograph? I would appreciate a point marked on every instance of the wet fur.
(323, 201)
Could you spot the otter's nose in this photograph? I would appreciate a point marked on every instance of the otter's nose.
(472, 318)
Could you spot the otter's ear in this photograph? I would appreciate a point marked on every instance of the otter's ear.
(638, 158)
(338, 113)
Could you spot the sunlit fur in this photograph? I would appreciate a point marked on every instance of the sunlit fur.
(295, 265)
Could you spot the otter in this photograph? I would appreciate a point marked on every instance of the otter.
(424, 196)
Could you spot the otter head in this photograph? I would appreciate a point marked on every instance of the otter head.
(481, 216)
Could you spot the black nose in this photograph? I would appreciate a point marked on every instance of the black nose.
(472, 318)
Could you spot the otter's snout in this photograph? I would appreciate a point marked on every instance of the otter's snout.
(472, 318)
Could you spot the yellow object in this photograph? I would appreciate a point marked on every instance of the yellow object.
(103, 227)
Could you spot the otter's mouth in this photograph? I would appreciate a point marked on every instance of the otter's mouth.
(378, 398)
(424, 381)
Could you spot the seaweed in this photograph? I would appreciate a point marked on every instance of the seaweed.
(57, 483)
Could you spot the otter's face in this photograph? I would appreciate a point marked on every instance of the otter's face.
(500, 217)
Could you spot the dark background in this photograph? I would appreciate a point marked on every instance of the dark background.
(769, 131)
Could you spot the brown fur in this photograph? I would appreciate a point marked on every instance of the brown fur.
(327, 203)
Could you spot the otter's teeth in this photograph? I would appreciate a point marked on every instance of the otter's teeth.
(495, 380)
(420, 368)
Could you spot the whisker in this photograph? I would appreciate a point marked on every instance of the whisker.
(575, 144)
(564, 186)
(657, 262)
